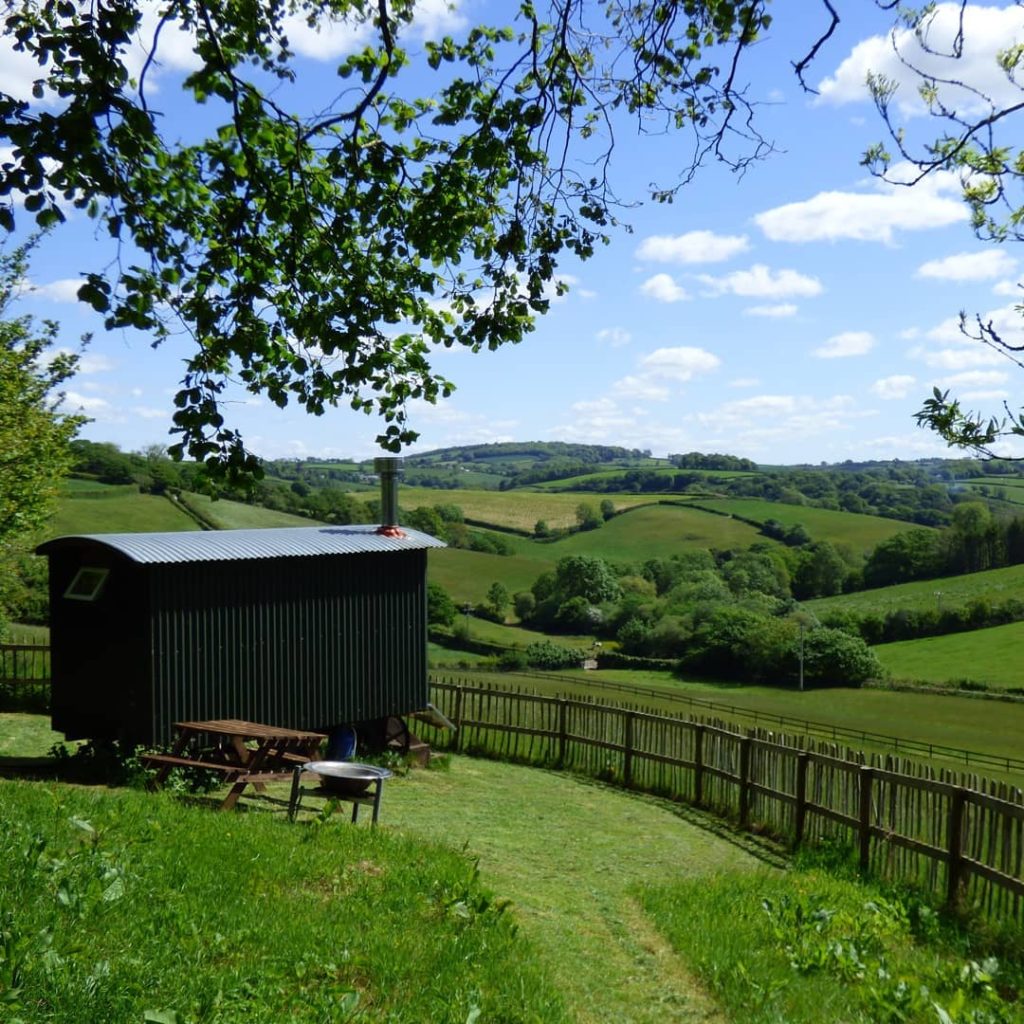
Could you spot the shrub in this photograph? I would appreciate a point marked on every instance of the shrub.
(547, 655)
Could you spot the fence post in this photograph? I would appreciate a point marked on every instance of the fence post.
(458, 719)
(698, 764)
(802, 760)
(744, 780)
(627, 760)
(866, 777)
(955, 877)
(563, 730)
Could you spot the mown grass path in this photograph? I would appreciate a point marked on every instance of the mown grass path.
(570, 855)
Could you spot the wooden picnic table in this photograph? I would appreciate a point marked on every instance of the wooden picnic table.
(242, 752)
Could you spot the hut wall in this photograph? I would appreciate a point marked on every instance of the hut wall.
(299, 642)
(100, 666)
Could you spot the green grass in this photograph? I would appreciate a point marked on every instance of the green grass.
(467, 575)
(569, 854)
(116, 904)
(657, 531)
(709, 475)
(995, 584)
(26, 735)
(236, 515)
(810, 947)
(122, 513)
(23, 633)
(982, 726)
(859, 531)
(990, 656)
(518, 636)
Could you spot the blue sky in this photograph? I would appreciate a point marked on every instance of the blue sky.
(800, 313)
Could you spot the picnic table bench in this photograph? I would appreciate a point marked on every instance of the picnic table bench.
(245, 753)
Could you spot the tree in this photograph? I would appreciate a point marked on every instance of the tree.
(976, 142)
(440, 607)
(35, 435)
(498, 600)
(587, 517)
(315, 256)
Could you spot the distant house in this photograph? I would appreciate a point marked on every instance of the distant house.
(306, 628)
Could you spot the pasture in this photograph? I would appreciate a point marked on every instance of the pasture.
(984, 726)
(236, 515)
(116, 511)
(989, 656)
(995, 585)
(517, 510)
(861, 532)
(653, 531)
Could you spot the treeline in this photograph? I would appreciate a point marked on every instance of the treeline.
(727, 615)
(974, 541)
(698, 460)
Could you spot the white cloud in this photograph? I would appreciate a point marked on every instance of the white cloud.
(995, 395)
(958, 359)
(88, 362)
(868, 216)
(681, 363)
(643, 386)
(615, 336)
(896, 386)
(63, 290)
(1011, 289)
(781, 309)
(91, 405)
(765, 419)
(986, 31)
(663, 288)
(333, 38)
(969, 266)
(763, 283)
(849, 343)
(147, 412)
(974, 379)
(692, 247)
(910, 333)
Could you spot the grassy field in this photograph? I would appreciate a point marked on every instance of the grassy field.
(655, 531)
(519, 510)
(122, 512)
(988, 727)
(236, 515)
(658, 531)
(466, 575)
(859, 531)
(995, 584)
(124, 906)
(710, 475)
(989, 656)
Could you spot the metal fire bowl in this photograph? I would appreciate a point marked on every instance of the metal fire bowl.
(346, 777)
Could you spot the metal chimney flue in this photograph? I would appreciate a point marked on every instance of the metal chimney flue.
(388, 469)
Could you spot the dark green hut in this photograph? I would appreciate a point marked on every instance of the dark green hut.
(305, 628)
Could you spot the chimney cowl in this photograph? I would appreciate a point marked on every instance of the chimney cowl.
(388, 469)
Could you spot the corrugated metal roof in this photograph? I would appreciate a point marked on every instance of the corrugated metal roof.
(241, 545)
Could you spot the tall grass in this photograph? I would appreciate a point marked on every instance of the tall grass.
(813, 946)
(129, 907)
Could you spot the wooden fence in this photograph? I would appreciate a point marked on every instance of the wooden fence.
(956, 835)
(24, 676)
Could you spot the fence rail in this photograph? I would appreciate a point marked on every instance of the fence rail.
(957, 835)
(24, 677)
(823, 730)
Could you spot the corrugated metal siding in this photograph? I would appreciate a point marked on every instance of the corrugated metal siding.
(244, 545)
(301, 643)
